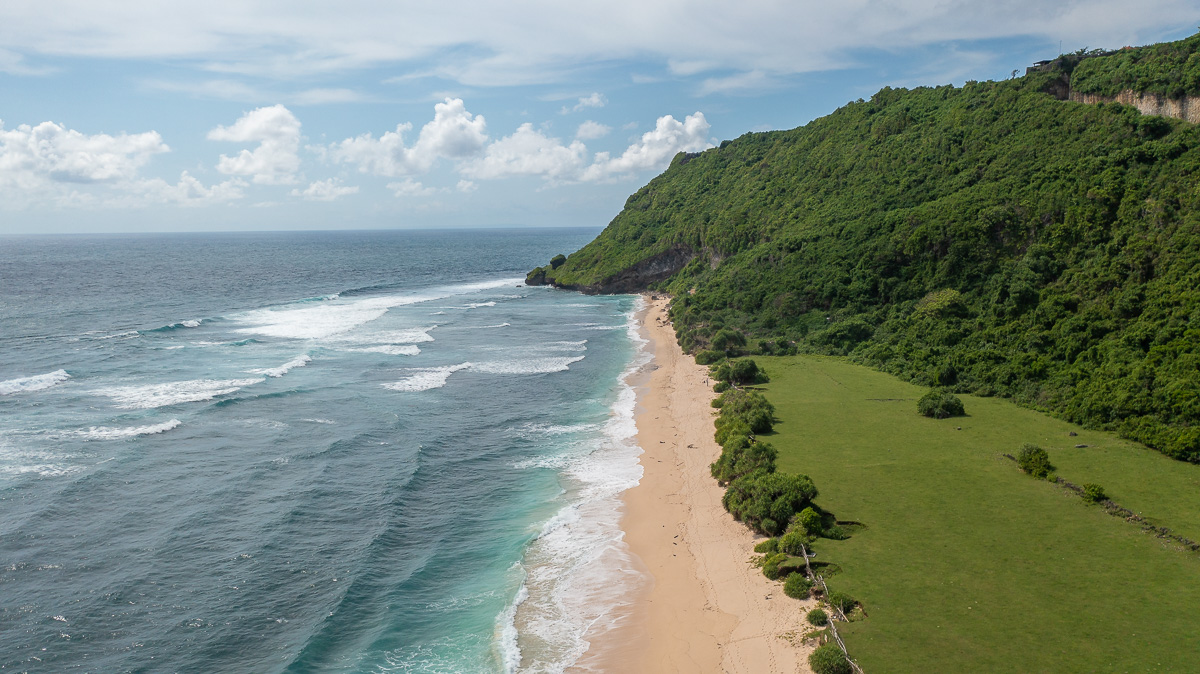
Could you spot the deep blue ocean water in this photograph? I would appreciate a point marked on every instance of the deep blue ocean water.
(355, 451)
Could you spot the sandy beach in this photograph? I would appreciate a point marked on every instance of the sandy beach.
(708, 609)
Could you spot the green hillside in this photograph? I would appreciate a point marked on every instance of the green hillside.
(1170, 69)
(989, 238)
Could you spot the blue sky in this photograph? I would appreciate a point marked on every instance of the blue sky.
(272, 114)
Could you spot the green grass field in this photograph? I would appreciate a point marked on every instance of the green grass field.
(968, 565)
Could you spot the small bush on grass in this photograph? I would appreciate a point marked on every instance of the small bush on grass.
(771, 565)
(1034, 461)
(741, 372)
(768, 546)
(797, 586)
(818, 618)
(793, 541)
(829, 659)
(842, 601)
(940, 404)
(1094, 493)
(809, 520)
(709, 357)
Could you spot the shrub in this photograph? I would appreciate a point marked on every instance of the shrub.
(771, 565)
(793, 541)
(818, 618)
(1094, 493)
(709, 357)
(835, 533)
(728, 340)
(729, 428)
(797, 586)
(763, 500)
(1034, 461)
(842, 601)
(810, 521)
(768, 546)
(721, 386)
(741, 457)
(742, 371)
(829, 659)
(940, 404)
(557, 261)
(749, 407)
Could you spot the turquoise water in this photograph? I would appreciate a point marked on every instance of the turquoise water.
(360, 451)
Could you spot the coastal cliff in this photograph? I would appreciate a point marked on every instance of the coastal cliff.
(1186, 108)
(990, 238)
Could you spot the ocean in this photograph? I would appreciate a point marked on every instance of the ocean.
(297, 452)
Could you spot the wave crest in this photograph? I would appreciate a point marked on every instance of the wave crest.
(37, 382)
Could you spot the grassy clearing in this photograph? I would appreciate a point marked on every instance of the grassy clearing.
(967, 565)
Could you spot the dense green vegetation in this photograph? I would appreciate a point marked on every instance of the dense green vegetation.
(989, 239)
(1170, 69)
(968, 565)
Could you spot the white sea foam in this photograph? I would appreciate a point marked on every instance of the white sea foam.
(298, 361)
(37, 382)
(476, 305)
(506, 626)
(390, 349)
(424, 379)
(190, 324)
(172, 393)
(24, 461)
(128, 334)
(320, 421)
(528, 365)
(338, 316)
(580, 345)
(106, 433)
(528, 429)
(409, 336)
(580, 575)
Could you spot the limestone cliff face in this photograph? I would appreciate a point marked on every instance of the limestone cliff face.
(1186, 108)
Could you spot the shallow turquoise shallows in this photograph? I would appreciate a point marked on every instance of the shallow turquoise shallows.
(301, 451)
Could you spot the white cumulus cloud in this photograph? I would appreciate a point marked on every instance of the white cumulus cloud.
(596, 100)
(325, 190)
(49, 152)
(454, 133)
(187, 192)
(590, 130)
(656, 148)
(275, 161)
(528, 152)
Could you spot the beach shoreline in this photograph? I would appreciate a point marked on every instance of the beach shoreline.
(706, 607)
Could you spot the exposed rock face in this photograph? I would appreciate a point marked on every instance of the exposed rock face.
(636, 278)
(1186, 108)
(537, 277)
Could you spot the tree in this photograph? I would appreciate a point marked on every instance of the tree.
(1034, 460)
(728, 340)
